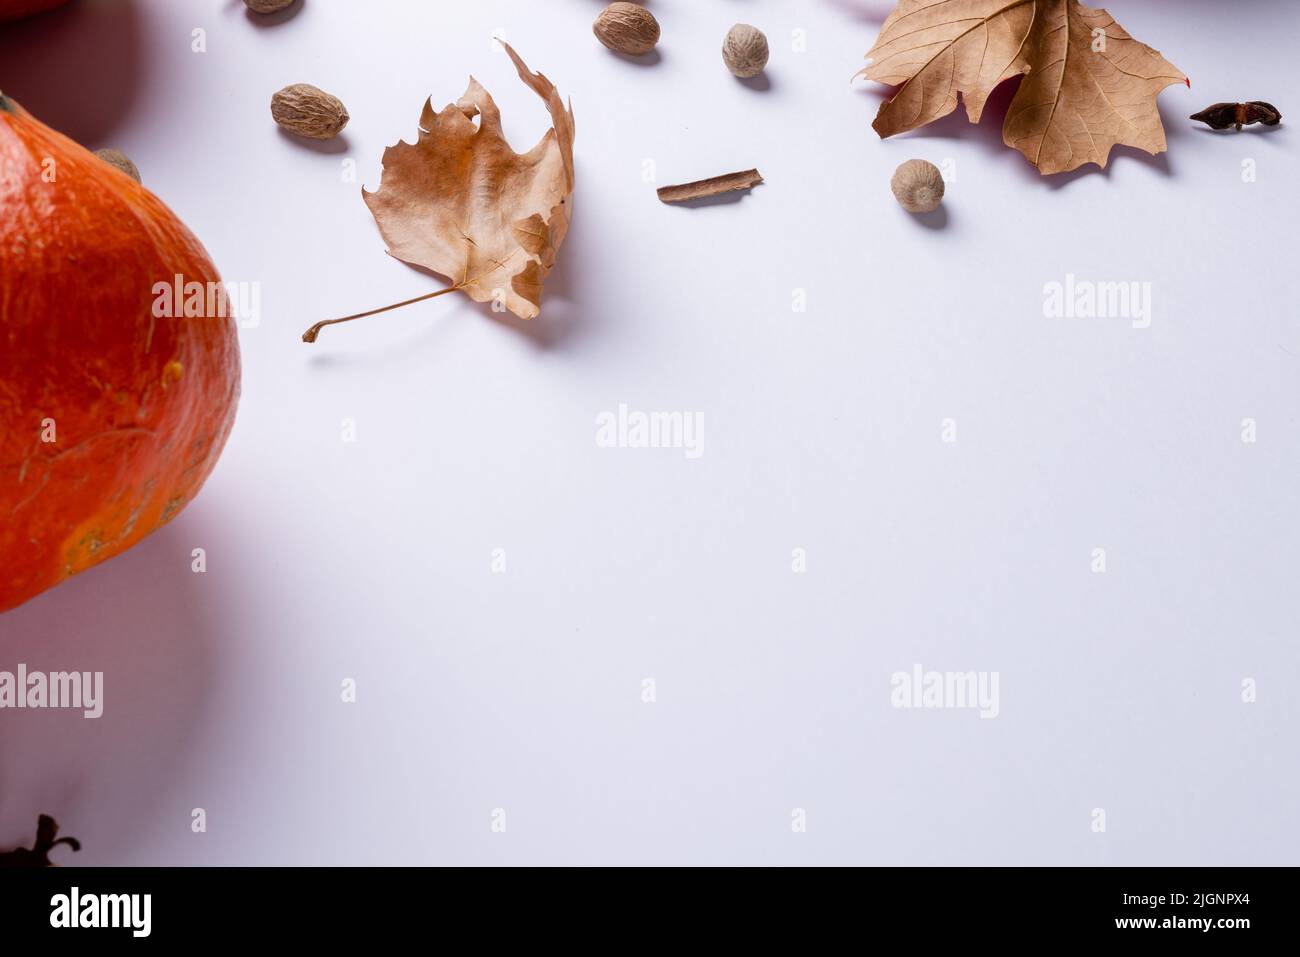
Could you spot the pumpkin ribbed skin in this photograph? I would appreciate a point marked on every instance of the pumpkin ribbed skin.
(139, 406)
(13, 9)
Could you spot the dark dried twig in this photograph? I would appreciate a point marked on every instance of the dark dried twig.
(39, 854)
(703, 189)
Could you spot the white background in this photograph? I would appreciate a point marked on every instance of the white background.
(522, 690)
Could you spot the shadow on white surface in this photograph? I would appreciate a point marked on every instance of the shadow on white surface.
(78, 68)
(722, 199)
(866, 11)
(935, 219)
(150, 625)
(653, 58)
(565, 311)
(332, 146)
(759, 84)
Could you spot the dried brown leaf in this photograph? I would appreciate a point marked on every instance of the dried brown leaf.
(461, 202)
(1088, 85)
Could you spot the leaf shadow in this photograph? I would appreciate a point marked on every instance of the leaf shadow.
(565, 315)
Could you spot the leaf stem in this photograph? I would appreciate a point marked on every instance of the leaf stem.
(311, 334)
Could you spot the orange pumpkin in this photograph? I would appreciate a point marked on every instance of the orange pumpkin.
(113, 411)
(13, 9)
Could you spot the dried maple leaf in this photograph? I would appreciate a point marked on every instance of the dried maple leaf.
(461, 202)
(1088, 85)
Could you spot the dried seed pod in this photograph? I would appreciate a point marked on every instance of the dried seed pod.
(745, 51)
(121, 161)
(1222, 115)
(303, 109)
(267, 6)
(627, 28)
(918, 186)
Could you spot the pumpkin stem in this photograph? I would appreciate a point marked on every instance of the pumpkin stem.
(311, 334)
(5, 104)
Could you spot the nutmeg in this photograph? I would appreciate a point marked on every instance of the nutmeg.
(745, 51)
(627, 28)
(308, 111)
(918, 186)
(121, 161)
(267, 6)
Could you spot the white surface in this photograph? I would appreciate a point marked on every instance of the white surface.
(522, 690)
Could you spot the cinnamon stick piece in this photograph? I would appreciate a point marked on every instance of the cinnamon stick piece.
(703, 189)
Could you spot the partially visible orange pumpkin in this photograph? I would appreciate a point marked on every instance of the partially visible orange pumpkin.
(111, 416)
(13, 9)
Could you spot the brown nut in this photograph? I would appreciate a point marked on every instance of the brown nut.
(745, 51)
(303, 109)
(267, 6)
(918, 186)
(627, 28)
(121, 161)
